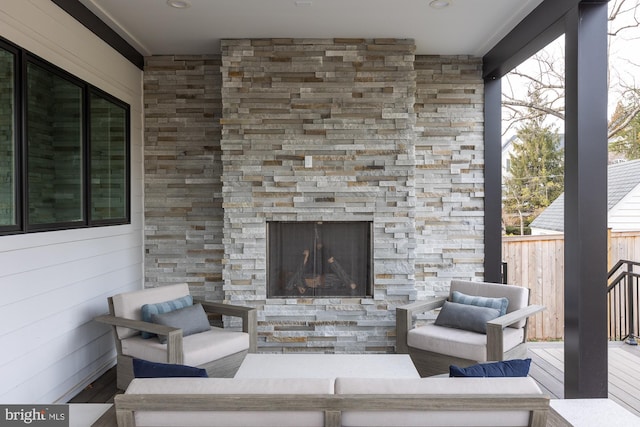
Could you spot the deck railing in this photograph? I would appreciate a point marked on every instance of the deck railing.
(623, 301)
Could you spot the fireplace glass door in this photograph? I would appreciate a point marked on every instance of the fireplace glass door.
(319, 259)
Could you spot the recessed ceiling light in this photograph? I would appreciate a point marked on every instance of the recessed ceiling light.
(439, 4)
(179, 4)
(303, 3)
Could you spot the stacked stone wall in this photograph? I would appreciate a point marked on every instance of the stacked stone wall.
(449, 172)
(347, 105)
(183, 173)
(393, 139)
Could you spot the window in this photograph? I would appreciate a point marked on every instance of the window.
(109, 148)
(70, 166)
(7, 139)
(54, 148)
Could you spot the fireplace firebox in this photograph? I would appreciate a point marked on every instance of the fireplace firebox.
(319, 259)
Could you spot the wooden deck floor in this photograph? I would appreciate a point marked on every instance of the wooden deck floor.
(624, 372)
(103, 390)
(547, 369)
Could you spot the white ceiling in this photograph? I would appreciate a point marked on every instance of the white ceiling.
(465, 27)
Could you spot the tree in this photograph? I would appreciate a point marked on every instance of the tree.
(543, 75)
(627, 140)
(536, 171)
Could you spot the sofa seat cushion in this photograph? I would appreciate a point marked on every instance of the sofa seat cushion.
(458, 342)
(436, 386)
(225, 386)
(198, 348)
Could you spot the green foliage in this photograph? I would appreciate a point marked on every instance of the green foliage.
(536, 172)
(627, 140)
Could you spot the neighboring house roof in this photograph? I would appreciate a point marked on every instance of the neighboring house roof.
(552, 218)
(622, 179)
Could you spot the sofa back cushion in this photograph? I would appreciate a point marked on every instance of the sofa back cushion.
(231, 386)
(518, 296)
(129, 304)
(442, 387)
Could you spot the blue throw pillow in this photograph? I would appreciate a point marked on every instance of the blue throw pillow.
(499, 304)
(467, 317)
(505, 368)
(146, 369)
(163, 307)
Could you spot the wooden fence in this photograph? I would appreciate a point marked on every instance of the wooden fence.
(537, 262)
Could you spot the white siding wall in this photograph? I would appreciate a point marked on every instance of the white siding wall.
(52, 284)
(625, 216)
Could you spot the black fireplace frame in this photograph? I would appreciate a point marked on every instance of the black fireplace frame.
(274, 290)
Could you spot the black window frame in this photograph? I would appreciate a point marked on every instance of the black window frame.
(22, 58)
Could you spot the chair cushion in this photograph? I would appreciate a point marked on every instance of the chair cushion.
(467, 317)
(146, 369)
(191, 320)
(458, 342)
(198, 349)
(499, 304)
(505, 368)
(150, 310)
(518, 296)
(129, 304)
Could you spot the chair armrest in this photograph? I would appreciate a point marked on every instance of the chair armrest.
(174, 335)
(139, 325)
(495, 328)
(404, 319)
(224, 309)
(423, 306)
(515, 316)
(249, 316)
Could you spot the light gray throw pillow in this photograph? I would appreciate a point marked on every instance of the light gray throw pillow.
(500, 304)
(191, 320)
(465, 316)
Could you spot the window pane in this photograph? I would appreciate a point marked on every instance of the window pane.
(7, 138)
(54, 131)
(108, 160)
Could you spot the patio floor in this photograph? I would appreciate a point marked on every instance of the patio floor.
(547, 369)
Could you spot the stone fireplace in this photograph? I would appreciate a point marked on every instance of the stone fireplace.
(319, 131)
(307, 131)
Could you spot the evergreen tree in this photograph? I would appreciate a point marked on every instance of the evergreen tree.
(627, 140)
(536, 171)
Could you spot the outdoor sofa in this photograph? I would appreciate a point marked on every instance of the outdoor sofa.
(328, 402)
